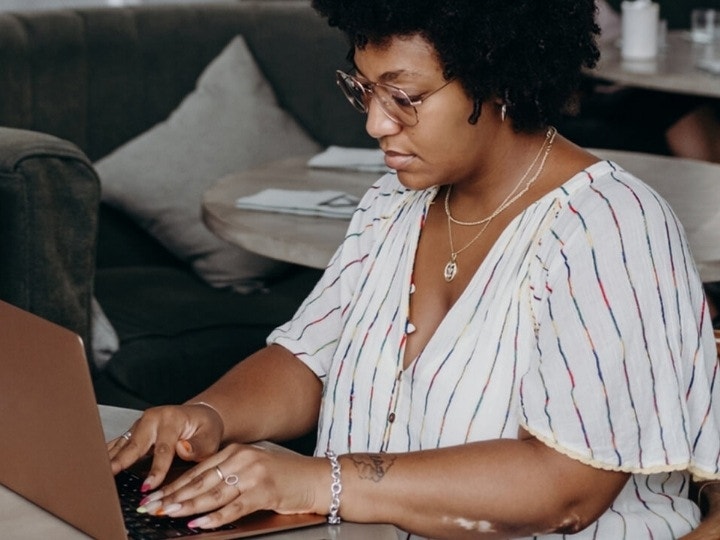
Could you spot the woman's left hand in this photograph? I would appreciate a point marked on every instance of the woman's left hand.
(241, 479)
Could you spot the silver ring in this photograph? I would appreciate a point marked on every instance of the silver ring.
(232, 480)
(127, 435)
(220, 474)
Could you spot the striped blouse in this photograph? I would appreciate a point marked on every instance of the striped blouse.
(586, 324)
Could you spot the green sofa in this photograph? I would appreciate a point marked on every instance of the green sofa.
(76, 85)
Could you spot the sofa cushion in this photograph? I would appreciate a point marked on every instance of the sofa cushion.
(105, 341)
(177, 335)
(230, 122)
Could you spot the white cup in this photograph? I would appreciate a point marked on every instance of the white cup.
(704, 25)
(640, 22)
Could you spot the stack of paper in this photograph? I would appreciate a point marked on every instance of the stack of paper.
(327, 203)
(356, 159)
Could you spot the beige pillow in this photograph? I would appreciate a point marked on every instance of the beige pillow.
(231, 122)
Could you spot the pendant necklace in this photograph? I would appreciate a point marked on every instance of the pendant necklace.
(451, 268)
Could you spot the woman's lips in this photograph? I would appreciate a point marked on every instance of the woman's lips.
(397, 160)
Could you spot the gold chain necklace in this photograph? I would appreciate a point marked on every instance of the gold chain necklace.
(507, 202)
(451, 268)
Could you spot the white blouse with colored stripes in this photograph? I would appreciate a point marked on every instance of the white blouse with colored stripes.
(586, 324)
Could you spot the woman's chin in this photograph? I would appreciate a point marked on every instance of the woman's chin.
(415, 181)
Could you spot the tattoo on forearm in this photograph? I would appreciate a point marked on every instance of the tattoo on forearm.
(373, 466)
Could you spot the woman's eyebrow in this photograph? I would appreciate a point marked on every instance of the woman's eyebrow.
(391, 76)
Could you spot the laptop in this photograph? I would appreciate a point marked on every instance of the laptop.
(53, 449)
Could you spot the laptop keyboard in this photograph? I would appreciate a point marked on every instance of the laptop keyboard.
(147, 527)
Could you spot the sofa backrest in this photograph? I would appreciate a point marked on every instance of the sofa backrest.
(100, 76)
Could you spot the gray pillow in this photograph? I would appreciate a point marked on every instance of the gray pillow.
(231, 122)
(105, 341)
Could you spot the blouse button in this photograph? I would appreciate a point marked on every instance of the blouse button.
(391, 417)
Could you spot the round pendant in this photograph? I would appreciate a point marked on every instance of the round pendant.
(450, 270)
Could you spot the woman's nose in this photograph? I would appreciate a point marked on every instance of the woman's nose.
(379, 124)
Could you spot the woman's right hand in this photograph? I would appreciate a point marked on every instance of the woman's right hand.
(192, 432)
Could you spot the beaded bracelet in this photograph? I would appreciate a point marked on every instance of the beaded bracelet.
(335, 489)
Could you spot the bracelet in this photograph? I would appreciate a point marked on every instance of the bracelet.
(206, 404)
(335, 489)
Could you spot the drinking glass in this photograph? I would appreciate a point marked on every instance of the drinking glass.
(704, 25)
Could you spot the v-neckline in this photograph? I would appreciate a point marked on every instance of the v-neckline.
(430, 195)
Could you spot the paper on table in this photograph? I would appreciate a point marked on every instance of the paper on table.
(713, 66)
(357, 159)
(326, 203)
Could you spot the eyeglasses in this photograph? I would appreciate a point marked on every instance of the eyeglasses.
(395, 103)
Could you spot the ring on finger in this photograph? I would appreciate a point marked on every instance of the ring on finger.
(126, 435)
(232, 480)
(220, 474)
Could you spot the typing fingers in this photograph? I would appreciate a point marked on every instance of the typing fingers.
(163, 454)
(127, 449)
(191, 432)
(237, 481)
(206, 487)
(157, 430)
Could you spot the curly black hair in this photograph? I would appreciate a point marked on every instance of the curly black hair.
(528, 53)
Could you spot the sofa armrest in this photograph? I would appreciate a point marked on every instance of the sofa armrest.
(49, 197)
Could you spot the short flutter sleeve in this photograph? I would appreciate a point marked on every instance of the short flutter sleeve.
(624, 372)
(315, 329)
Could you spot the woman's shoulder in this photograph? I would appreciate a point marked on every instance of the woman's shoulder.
(606, 197)
(607, 182)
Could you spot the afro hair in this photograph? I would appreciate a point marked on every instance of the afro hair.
(528, 53)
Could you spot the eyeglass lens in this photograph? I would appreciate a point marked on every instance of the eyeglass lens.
(394, 102)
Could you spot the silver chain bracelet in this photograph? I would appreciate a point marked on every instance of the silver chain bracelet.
(335, 489)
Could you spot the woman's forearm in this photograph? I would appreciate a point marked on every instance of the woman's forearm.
(269, 395)
(494, 489)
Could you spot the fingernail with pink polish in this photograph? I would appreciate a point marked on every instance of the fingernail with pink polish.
(152, 497)
(147, 485)
(198, 523)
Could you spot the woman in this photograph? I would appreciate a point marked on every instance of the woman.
(512, 339)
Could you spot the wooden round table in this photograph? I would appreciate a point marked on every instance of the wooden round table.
(306, 240)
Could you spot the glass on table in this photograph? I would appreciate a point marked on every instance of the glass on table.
(704, 25)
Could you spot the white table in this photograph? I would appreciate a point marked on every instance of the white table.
(22, 520)
(673, 70)
(305, 240)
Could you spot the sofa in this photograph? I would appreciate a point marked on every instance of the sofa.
(100, 105)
